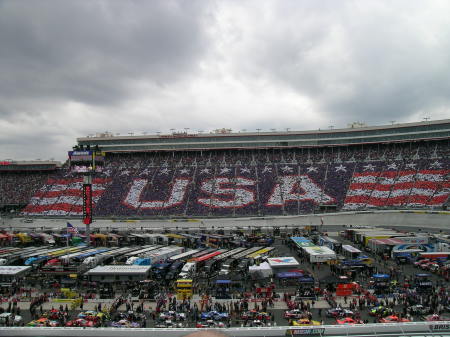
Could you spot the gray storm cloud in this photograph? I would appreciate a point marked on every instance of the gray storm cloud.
(91, 51)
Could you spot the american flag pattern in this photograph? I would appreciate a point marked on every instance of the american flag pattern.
(63, 197)
(403, 187)
(71, 229)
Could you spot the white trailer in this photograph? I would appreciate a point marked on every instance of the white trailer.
(163, 254)
(184, 255)
(155, 254)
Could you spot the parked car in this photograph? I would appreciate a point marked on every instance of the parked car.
(339, 312)
(304, 322)
(214, 315)
(7, 316)
(349, 320)
(81, 322)
(436, 318)
(380, 311)
(91, 315)
(258, 323)
(253, 314)
(295, 313)
(168, 324)
(123, 323)
(210, 324)
(419, 309)
(43, 321)
(173, 316)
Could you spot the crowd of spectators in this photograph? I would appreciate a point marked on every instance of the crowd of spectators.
(257, 182)
(16, 188)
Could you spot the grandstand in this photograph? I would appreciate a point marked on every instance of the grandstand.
(20, 180)
(225, 174)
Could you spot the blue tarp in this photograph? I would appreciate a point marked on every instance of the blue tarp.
(306, 279)
(380, 276)
(223, 281)
(289, 274)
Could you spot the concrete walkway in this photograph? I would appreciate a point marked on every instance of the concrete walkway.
(93, 304)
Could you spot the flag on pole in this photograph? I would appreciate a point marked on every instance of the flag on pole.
(71, 229)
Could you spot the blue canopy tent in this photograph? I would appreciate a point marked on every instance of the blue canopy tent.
(306, 279)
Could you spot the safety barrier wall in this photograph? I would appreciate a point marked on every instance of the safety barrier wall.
(403, 329)
(436, 219)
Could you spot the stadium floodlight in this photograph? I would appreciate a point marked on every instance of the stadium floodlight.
(287, 129)
(131, 133)
(331, 127)
(258, 130)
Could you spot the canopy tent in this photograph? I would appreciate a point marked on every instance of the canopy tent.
(319, 253)
(262, 271)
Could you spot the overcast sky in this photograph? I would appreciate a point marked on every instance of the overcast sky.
(73, 68)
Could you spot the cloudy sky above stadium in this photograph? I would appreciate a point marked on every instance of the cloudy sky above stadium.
(74, 68)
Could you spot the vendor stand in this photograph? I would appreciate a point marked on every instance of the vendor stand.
(226, 288)
(381, 283)
(289, 278)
